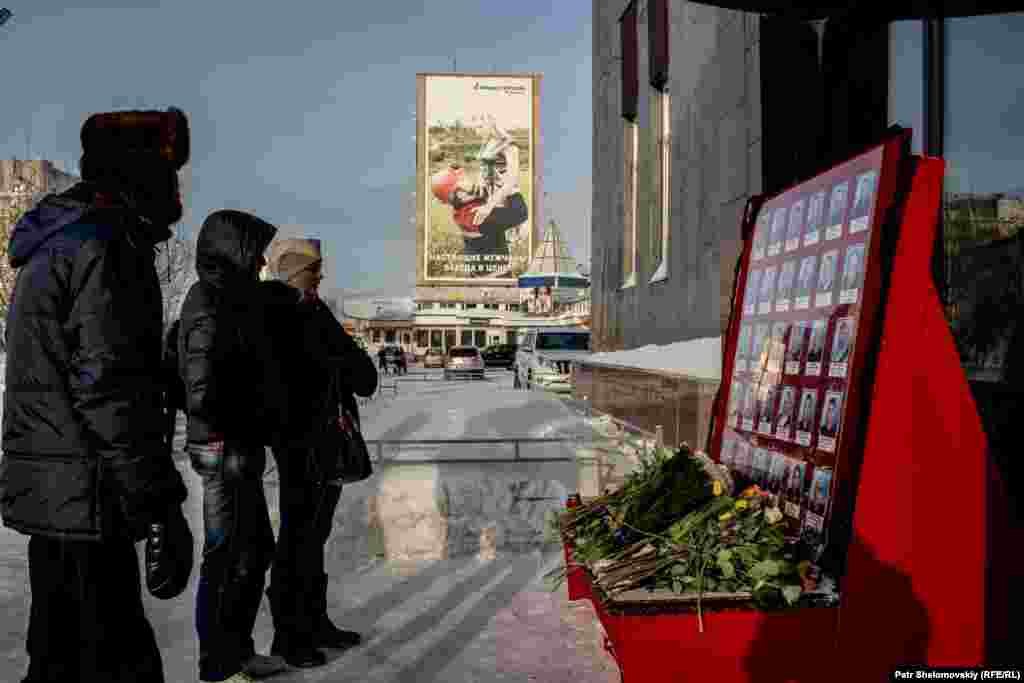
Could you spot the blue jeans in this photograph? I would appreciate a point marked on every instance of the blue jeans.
(237, 550)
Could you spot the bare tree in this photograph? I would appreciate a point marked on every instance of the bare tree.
(175, 266)
(20, 185)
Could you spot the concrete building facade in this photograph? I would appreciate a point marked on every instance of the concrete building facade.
(713, 152)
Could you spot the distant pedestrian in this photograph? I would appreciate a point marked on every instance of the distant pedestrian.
(85, 471)
(314, 350)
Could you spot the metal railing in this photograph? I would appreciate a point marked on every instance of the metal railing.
(516, 443)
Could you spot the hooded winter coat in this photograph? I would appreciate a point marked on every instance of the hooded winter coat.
(82, 427)
(233, 384)
(312, 344)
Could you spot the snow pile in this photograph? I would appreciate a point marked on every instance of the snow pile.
(696, 357)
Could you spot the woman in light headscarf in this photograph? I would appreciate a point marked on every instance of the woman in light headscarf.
(314, 349)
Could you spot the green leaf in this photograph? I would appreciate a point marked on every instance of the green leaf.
(764, 569)
(724, 555)
(728, 571)
(747, 554)
(791, 594)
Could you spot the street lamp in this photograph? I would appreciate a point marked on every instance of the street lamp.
(5, 14)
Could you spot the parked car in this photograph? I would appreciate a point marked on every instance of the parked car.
(392, 357)
(545, 357)
(500, 355)
(463, 360)
(433, 358)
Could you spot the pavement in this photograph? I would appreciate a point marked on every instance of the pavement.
(448, 591)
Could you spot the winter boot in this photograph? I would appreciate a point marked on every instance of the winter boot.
(325, 633)
(261, 666)
(299, 655)
(293, 639)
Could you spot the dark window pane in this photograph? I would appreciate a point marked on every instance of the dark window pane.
(630, 72)
(983, 143)
(564, 341)
(906, 78)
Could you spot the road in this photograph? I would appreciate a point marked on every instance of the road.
(440, 566)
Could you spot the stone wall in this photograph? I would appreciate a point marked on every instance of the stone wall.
(646, 399)
(714, 85)
(435, 512)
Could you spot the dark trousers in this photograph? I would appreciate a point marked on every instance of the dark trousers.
(298, 582)
(87, 622)
(237, 549)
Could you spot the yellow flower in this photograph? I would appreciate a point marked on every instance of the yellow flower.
(742, 505)
(717, 488)
(752, 491)
(725, 517)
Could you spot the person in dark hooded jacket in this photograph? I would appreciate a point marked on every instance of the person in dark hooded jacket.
(234, 407)
(84, 469)
(314, 347)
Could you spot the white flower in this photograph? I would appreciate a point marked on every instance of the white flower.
(772, 515)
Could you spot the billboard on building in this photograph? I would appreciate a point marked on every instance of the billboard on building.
(477, 177)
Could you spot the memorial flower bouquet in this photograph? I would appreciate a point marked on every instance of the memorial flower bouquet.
(675, 525)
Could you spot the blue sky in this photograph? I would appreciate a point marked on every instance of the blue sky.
(303, 113)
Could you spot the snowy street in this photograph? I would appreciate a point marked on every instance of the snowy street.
(439, 565)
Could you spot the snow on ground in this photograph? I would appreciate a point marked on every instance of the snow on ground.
(701, 358)
(439, 565)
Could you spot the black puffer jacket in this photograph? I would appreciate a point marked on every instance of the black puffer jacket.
(82, 427)
(312, 344)
(233, 386)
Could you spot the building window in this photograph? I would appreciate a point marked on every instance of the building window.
(629, 50)
(906, 87)
(480, 338)
(376, 336)
(466, 338)
(657, 42)
(447, 305)
(512, 337)
(491, 307)
(449, 339)
(389, 337)
(435, 339)
(983, 199)
(663, 182)
(422, 337)
(629, 252)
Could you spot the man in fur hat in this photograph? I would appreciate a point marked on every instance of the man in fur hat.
(85, 471)
(313, 346)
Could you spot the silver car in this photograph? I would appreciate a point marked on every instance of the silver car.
(463, 360)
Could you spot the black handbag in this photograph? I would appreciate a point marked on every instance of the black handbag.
(340, 452)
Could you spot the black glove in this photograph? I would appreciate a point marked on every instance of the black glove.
(169, 555)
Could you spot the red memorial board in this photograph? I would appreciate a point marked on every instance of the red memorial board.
(842, 392)
(804, 325)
